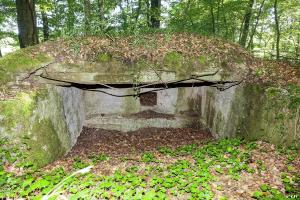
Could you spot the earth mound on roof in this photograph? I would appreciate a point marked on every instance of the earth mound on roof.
(158, 57)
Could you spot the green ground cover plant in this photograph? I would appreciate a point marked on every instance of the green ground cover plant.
(192, 174)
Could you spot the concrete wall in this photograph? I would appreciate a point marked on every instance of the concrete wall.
(116, 113)
(251, 111)
(74, 110)
(50, 119)
(97, 103)
(47, 120)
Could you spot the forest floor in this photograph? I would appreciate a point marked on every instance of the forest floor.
(162, 164)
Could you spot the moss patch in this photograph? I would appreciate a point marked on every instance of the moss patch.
(20, 61)
(272, 114)
(104, 57)
(17, 111)
(25, 120)
(202, 60)
(173, 60)
(45, 146)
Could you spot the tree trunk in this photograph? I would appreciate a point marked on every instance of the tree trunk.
(138, 11)
(124, 17)
(245, 30)
(218, 17)
(277, 29)
(250, 44)
(101, 13)
(212, 18)
(225, 20)
(0, 54)
(297, 49)
(45, 26)
(148, 15)
(155, 13)
(26, 18)
(87, 17)
(71, 16)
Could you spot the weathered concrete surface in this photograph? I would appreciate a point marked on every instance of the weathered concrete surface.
(245, 110)
(97, 103)
(251, 111)
(74, 111)
(115, 72)
(107, 112)
(125, 124)
(48, 121)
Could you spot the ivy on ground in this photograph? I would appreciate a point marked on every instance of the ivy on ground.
(189, 177)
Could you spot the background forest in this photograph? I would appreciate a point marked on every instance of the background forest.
(268, 28)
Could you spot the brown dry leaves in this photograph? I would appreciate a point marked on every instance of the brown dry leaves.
(153, 48)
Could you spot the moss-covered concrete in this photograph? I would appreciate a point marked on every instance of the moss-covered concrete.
(44, 145)
(273, 114)
(253, 112)
(36, 119)
(21, 61)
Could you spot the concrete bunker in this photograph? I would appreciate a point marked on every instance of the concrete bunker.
(128, 87)
(128, 101)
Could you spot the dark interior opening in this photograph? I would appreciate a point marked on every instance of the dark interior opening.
(148, 99)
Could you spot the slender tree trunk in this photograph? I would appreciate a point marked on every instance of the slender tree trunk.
(45, 26)
(297, 49)
(0, 54)
(26, 18)
(101, 13)
(71, 16)
(245, 30)
(277, 30)
(212, 18)
(250, 44)
(148, 13)
(241, 29)
(218, 17)
(138, 11)
(124, 17)
(155, 13)
(186, 10)
(225, 20)
(87, 17)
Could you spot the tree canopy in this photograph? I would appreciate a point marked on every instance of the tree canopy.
(268, 28)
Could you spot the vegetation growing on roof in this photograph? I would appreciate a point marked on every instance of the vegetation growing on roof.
(103, 57)
(180, 52)
(21, 61)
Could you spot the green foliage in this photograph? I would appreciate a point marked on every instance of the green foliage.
(294, 96)
(148, 157)
(290, 95)
(186, 149)
(183, 178)
(223, 19)
(79, 164)
(166, 151)
(267, 192)
(96, 158)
